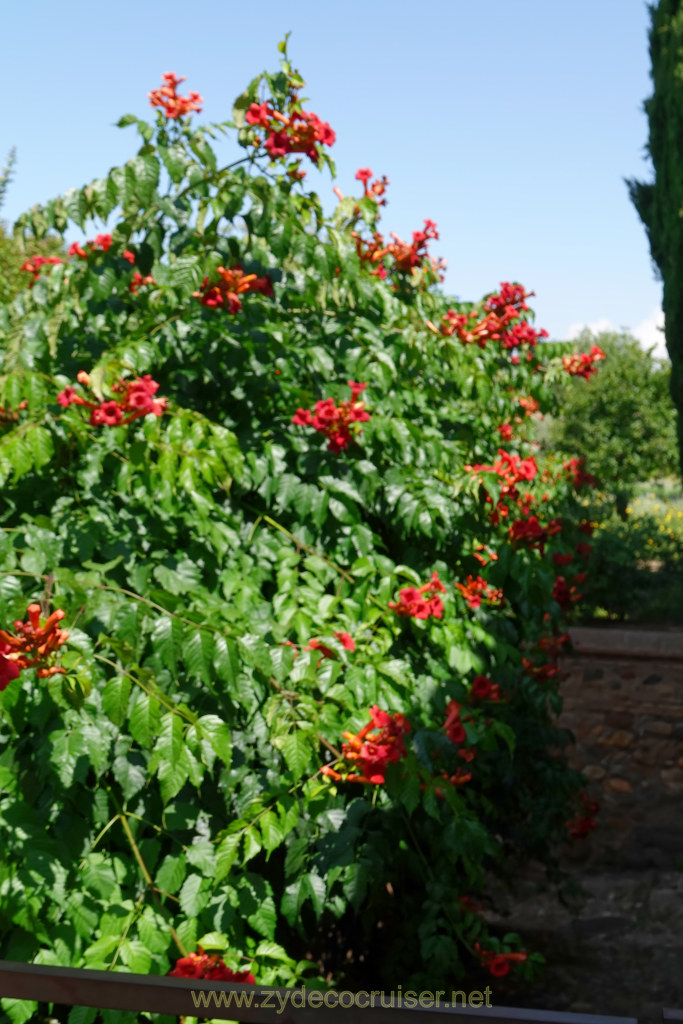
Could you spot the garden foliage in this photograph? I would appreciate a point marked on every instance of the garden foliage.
(312, 577)
(624, 421)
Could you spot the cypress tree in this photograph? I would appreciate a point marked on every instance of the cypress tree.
(660, 203)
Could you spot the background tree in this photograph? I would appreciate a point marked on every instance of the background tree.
(622, 420)
(12, 254)
(660, 202)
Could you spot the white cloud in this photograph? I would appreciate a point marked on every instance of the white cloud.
(596, 327)
(649, 332)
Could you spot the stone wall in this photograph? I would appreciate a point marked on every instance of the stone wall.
(617, 947)
(626, 713)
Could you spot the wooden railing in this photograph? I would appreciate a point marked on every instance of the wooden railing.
(256, 1004)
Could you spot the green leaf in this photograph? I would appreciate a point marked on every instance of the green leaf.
(218, 733)
(130, 775)
(18, 1010)
(171, 874)
(76, 206)
(214, 940)
(166, 641)
(193, 897)
(115, 697)
(255, 653)
(297, 752)
(198, 655)
(226, 855)
(202, 855)
(170, 745)
(81, 1015)
(145, 720)
(136, 956)
(40, 443)
(272, 832)
(175, 161)
(142, 175)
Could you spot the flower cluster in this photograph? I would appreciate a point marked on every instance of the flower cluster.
(512, 470)
(576, 473)
(499, 963)
(137, 400)
(233, 283)
(345, 639)
(378, 744)
(407, 257)
(530, 406)
(138, 280)
(490, 555)
(102, 242)
(302, 132)
(550, 647)
(12, 416)
(483, 688)
(413, 602)
(582, 824)
(174, 106)
(477, 590)
(209, 967)
(532, 533)
(333, 420)
(32, 646)
(564, 593)
(582, 364)
(378, 187)
(34, 263)
(455, 729)
(501, 321)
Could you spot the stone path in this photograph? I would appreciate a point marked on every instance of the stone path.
(618, 951)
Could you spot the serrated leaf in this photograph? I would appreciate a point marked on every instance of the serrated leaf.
(271, 829)
(218, 733)
(171, 873)
(166, 641)
(198, 652)
(297, 752)
(175, 161)
(226, 855)
(192, 899)
(145, 720)
(130, 776)
(115, 697)
(136, 956)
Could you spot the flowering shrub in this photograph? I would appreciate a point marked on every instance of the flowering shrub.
(333, 420)
(240, 596)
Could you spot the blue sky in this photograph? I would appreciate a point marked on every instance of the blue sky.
(511, 123)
